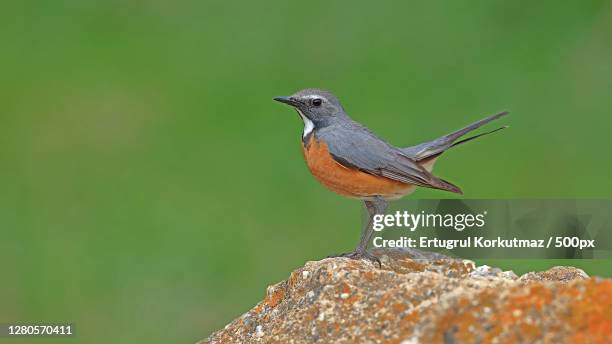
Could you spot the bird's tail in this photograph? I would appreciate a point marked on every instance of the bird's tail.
(445, 185)
(436, 147)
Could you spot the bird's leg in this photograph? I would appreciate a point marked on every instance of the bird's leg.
(376, 206)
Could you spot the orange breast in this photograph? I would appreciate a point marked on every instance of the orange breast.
(349, 181)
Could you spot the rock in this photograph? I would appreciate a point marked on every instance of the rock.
(557, 273)
(420, 297)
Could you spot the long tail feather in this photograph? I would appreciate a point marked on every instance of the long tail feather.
(477, 136)
(438, 146)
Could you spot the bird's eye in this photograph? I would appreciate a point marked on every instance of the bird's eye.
(317, 102)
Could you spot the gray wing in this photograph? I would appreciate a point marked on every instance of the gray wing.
(354, 146)
(438, 146)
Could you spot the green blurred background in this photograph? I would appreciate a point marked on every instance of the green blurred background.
(151, 188)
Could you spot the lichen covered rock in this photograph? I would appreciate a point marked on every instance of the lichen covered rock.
(419, 297)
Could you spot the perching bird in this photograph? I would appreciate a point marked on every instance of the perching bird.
(350, 160)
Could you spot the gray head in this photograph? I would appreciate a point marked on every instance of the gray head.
(316, 107)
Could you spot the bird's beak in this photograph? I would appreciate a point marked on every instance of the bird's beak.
(286, 100)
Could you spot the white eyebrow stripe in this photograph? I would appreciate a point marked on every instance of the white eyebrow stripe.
(314, 96)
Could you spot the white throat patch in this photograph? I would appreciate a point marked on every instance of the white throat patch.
(308, 125)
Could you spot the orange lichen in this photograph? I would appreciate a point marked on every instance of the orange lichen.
(516, 308)
(353, 264)
(345, 289)
(258, 308)
(273, 299)
(412, 265)
(462, 321)
(369, 276)
(410, 319)
(459, 323)
(530, 332)
(455, 265)
(591, 314)
(588, 317)
(383, 300)
(294, 278)
(399, 307)
(537, 296)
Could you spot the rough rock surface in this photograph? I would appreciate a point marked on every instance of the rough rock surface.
(421, 297)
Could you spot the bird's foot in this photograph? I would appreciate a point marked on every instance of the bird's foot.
(358, 254)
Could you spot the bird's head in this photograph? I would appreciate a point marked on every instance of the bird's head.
(314, 105)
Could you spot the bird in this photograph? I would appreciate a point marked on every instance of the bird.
(349, 159)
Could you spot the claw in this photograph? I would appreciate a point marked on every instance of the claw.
(358, 255)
